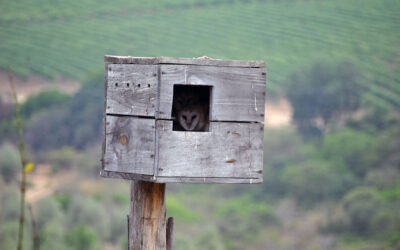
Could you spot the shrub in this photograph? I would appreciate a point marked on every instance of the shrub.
(352, 150)
(313, 181)
(48, 210)
(9, 204)
(43, 100)
(10, 162)
(241, 219)
(361, 205)
(52, 236)
(82, 237)
(177, 209)
(87, 211)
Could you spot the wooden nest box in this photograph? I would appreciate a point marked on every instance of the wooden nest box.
(184, 120)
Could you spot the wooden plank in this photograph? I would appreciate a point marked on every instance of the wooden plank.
(238, 94)
(229, 150)
(130, 145)
(126, 176)
(147, 226)
(131, 89)
(209, 180)
(224, 180)
(184, 61)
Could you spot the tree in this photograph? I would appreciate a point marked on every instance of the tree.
(361, 205)
(313, 181)
(322, 94)
(353, 150)
(43, 100)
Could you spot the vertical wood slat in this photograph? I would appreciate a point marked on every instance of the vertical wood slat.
(238, 94)
(147, 225)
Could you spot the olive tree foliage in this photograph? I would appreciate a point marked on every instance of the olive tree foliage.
(323, 94)
(361, 206)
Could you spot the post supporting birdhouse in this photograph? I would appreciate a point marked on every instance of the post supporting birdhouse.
(147, 227)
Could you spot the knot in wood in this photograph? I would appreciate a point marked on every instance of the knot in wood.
(123, 139)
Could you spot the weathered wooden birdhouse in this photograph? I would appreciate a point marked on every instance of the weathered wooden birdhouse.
(184, 120)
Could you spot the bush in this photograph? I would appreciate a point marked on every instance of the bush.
(48, 210)
(282, 148)
(315, 180)
(361, 206)
(383, 177)
(210, 239)
(117, 226)
(353, 150)
(246, 209)
(43, 100)
(52, 236)
(82, 237)
(9, 204)
(241, 219)
(176, 208)
(10, 162)
(87, 211)
(47, 129)
(8, 235)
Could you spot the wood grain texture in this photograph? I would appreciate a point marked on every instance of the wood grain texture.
(131, 89)
(238, 94)
(209, 180)
(126, 176)
(170, 233)
(130, 143)
(185, 61)
(229, 150)
(147, 225)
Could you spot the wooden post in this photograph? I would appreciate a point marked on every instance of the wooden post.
(146, 224)
(170, 230)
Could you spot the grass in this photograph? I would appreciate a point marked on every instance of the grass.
(70, 38)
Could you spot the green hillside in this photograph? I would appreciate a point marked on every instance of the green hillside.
(71, 37)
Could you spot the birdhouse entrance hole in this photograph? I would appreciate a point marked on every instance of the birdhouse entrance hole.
(191, 108)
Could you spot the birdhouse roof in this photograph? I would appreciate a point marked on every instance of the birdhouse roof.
(204, 61)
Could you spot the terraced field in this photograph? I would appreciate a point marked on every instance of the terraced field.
(70, 38)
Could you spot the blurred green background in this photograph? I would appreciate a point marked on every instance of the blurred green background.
(332, 134)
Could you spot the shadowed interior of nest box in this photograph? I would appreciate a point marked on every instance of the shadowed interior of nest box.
(191, 108)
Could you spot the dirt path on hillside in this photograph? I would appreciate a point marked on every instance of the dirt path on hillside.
(278, 114)
(42, 183)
